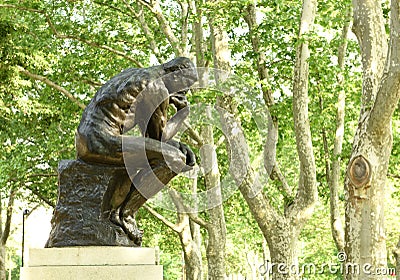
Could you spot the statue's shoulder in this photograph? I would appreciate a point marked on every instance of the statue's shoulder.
(111, 90)
(127, 84)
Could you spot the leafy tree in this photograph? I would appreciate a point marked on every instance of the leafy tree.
(299, 60)
(368, 166)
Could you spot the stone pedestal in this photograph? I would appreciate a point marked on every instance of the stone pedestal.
(91, 263)
(86, 195)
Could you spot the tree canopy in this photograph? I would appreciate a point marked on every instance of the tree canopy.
(56, 54)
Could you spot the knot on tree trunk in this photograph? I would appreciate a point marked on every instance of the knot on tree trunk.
(359, 172)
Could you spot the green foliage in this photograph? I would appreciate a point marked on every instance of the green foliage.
(81, 44)
(13, 265)
(321, 254)
(156, 234)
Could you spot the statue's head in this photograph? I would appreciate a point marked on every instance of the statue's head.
(180, 75)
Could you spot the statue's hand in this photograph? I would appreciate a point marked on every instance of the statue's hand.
(190, 157)
(179, 100)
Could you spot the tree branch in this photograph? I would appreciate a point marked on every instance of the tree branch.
(265, 215)
(395, 176)
(325, 145)
(91, 83)
(334, 172)
(21, 8)
(250, 18)
(35, 192)
(122, 12)
(193, 134)
(62, 36)
(270, 145)
(307, 190)
(40, 196)
(371, 35)
(262, 70)
(177, 199)
(154, 7)
(164, 220)
(53, 85)
(90, 43)
(147, 4)
(7, 226)
(396, 253)
(287, 192)
(389, 90)
(244, 175)
(42, 175)
(145, 27)
(184, 21)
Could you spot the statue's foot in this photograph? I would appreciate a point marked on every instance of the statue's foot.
(128, 225)
(114, 218)
(132, 230)
(136, 236)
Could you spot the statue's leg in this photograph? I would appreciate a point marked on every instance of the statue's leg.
(158, 164)
(146, 183)
(141, 153)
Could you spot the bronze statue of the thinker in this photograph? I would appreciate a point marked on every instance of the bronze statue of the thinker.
(138, 97)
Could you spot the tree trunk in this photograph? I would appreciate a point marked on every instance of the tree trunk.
(281, 231)
(396, 253)
(283, 248)
(216, 251)
(5, 232)
(333, 175)
(189, 235)
(3, 275)
(367, 169)
(198, 36)
(220, 47)
(217, 227)
(2, 247)
(191, 249)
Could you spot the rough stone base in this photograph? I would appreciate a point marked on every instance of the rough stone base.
(92, 263)
(86, 194)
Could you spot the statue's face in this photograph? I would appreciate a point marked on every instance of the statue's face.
(180, 75)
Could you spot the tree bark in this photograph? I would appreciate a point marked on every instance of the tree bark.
(281, 231)
(189, 236)
(5, 232)
(165, 27)
(337, 228)
(45, 80)
(396, 253)
(366, 176)
(217, 228)
(191, 248)
(368, 26)
(220, 46)
(3, 275)
(307, 182)
(198, 36)
(262, 70)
